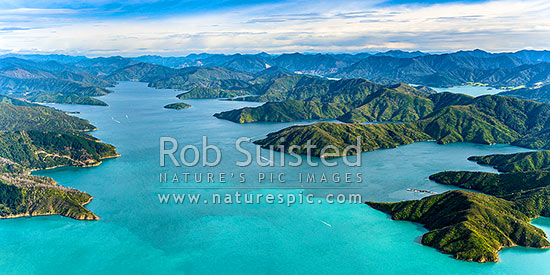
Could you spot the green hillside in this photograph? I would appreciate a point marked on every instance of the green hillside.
(494, 184)
(208, 77)
(67, 99)
(349, 101)
(34, 117)
(25, 195)
(341, 135)
(470, 226)
(38, 137)
(177, 106)
(521, 162)
(466, 124)
(206, 92)
(40, 150)
(486, 120)
(391, 105)
(475, 226)
(52, 90)
(288, 110)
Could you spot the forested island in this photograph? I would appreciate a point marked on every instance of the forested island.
(177, 106)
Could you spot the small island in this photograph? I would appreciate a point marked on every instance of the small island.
(177, 106)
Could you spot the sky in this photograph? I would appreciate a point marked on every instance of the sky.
(175, 28)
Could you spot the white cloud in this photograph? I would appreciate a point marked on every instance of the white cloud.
(320, 27)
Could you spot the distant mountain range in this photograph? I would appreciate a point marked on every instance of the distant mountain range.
(541, 94)
(78, 79)
(50, 81)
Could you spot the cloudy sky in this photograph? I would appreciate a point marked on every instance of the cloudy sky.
(168, 27)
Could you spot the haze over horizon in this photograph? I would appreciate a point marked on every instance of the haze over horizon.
(176, 28)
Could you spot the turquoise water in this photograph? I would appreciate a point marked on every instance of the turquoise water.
(137, 234)
(470, 90)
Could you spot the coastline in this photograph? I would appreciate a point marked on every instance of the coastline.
(64, 203)
(97, 163)
(93, 216)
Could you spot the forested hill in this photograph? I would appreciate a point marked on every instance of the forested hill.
(470, 226)
(355, 100)
(26, 195)
(520, 162)
(476, 226)
(17, 115)
(38, 137)
(35, 136)
(455, 118)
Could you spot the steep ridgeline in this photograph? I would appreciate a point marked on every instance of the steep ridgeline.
(142, 72)
(357, 100)
(436, 70)
(38, 137)
(277, 86)
(50, 82)
(540, 94)
(102, 66)
(397, 103)
(523, 68)
(446, 70)
(315, 64)
(474, 226)
(455, 118)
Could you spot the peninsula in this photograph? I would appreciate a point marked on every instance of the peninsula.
(476, 226)
(36, 137)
